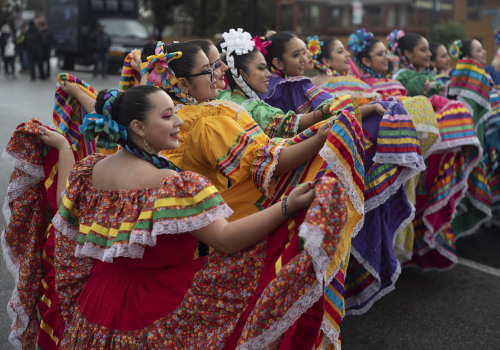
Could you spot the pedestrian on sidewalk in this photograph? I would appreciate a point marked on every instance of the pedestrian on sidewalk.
(8, 50)
(99, 43)
(46, 48)
(34, 47)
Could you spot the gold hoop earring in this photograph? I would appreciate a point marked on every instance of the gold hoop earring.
(147, 146)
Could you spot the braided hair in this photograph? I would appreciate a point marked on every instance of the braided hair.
(276, 49)
(240, 50)
(399, 42)
(115, 110)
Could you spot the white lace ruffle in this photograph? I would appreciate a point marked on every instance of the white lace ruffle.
(297, 124)
(382, 197)
(272, 168)
(401, 253)
(380, 294)
(410, 160)
(229, 104)
(313, 237)
(356, 94)
(375, 287)
(344, 176)
(15, 309)
(462, 186)
(140, 238)
(463, 92)
(24, 166)
(330, 333)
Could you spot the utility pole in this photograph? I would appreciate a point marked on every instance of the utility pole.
(436, 8)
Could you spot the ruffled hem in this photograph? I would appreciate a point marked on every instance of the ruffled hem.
(139, 239)
(313, 237)
(462, 187)
(404, 176)
(15, 309)
(461, 93)
(287, 80)
(374, 288)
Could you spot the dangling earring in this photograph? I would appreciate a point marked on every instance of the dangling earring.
(147, 146)
(191, 100)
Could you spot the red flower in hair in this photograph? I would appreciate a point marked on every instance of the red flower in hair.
(261, 45)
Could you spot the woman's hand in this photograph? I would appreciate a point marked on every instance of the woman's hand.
(70, 88)
(300, 197)
(135, 61)
(325, 109)
(379, 109)
(53, 139)
(324, 130)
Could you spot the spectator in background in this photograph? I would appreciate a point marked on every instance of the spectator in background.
(99, 43)
(46, 47)
(8, 50)
(21, 49)
(34, 47)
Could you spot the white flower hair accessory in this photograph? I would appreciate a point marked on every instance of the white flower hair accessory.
(237, 42)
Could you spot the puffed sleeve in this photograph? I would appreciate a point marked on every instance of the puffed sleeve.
(273, 121)
(233, 151)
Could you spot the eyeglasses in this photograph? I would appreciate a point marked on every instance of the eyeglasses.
(381, 54)
(208, 71)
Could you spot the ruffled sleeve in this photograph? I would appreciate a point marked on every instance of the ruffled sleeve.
(272, 120)
(232, 145)
(295, 94)
(109, 224)
(420, 83)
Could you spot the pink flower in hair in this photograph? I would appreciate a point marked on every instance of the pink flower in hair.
(393, 38)
(261, 45)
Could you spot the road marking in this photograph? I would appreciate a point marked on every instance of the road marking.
(477, 266)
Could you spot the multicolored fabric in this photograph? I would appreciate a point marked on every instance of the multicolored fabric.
(277, 277)
(350, 85)
(445, 182)
(30, 202)
(68, 114)
(392, 156)
(423, 116)
(384, 86)
(492, 145)
(494, 74)
(130, 77)
(296, 94)
(396, 155)
(273, 121)
(470, 84)
(200, 146)
(421, 82)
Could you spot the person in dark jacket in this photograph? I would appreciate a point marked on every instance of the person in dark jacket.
(46, 47)
(22, 50)
(99, 43)
(8, 50)
(34, 47)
